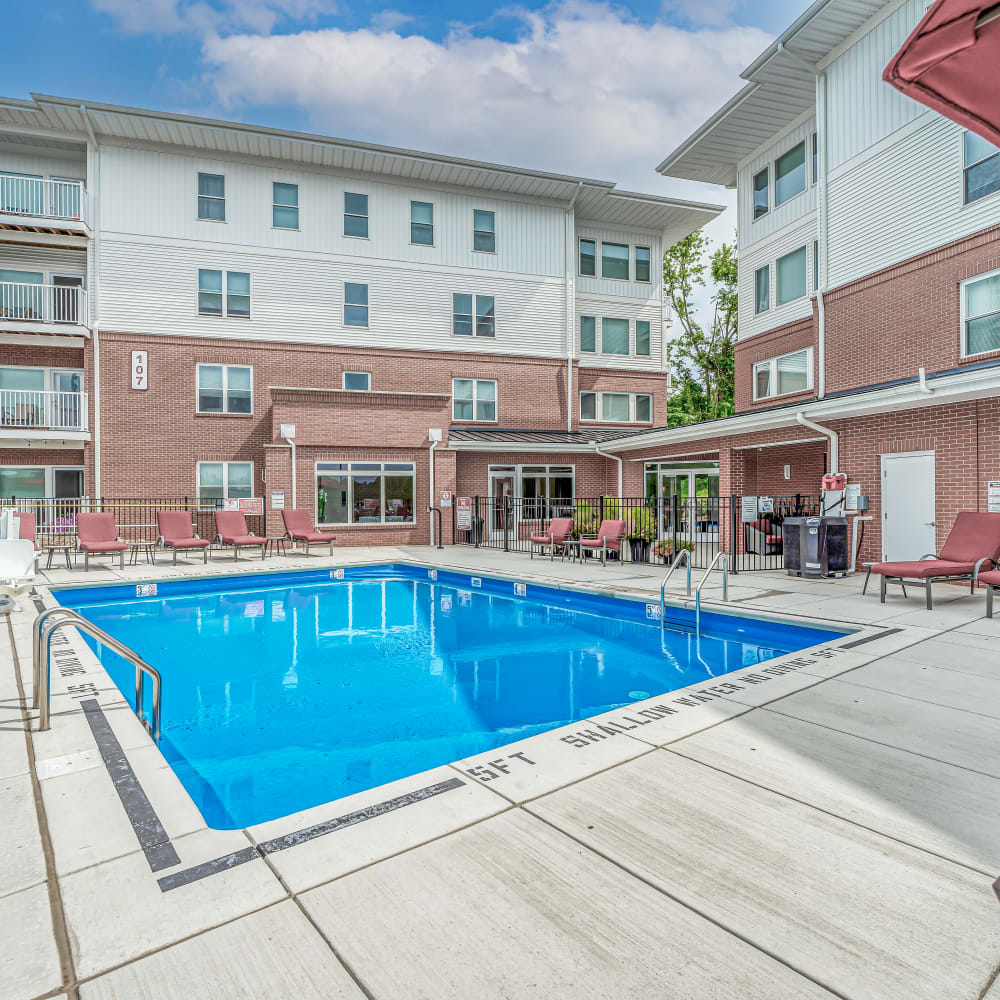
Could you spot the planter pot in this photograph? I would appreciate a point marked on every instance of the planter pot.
(640, 550)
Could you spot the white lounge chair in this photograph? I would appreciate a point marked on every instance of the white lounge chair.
(17, 571)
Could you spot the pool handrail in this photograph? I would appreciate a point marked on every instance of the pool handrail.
(701, 583)
(683, 556)
(42, 644)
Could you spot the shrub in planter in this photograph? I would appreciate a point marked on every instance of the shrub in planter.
(640, 526)
(666, 549)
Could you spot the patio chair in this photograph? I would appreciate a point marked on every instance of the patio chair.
(177, 532)
(26, 528)
(17, 571)
(974, 541)
(608, 539)
(97, 534)
(991, 580)
(232, 530)
(300, 528)
(560, 528)
(761, 537)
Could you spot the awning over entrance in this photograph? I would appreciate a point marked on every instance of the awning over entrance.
(951, 63)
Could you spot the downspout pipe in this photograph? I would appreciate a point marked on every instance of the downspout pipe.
(290, 441)
(435, 436)
(832, 435)
(94, 292)
(616, 458)
(570, 270)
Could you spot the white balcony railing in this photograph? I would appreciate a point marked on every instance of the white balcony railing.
(42, 303)
(40, 409)
(43, 199)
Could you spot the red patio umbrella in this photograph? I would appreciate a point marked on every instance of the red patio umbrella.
(951, 63)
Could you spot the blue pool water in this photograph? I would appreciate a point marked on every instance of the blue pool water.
(283, 692)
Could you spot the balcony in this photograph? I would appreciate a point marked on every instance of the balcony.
(35, 205)
(24, 412)
(39, 308)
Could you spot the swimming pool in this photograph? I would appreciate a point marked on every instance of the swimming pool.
(284, 691)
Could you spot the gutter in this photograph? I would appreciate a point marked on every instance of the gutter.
(94, 292)
(290, 440)
(569, 271)
(834, 437)
(617, 458)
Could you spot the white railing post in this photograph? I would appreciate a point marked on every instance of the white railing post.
(43, 199)
(37, 408)
(25, 301)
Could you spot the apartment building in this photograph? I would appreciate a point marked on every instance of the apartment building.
(869, 287)
(206, 308)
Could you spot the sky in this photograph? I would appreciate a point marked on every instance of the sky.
(592, 89)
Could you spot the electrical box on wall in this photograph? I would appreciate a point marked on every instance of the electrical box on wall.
(788, 472)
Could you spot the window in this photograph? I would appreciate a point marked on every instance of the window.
(782, 375)
(642, 263)
(484, 231)
(614, 261)
(473, 399)
(217, 480)
(588, 258)
(547, 491)
(212, 197)
(356, 215)
(358, 381)
(365, 493)
(642, 337)
(982, 167)
(790, 272)
(790, 174)
(355, 304)
(616, 407)
(614, 336)
(762, 289)
(761, 193)
(815, 158)
(422, 223)
(981, 314)
(285, 207)
(210, 293)
(484, 317)
(588, 334)
(225, 389)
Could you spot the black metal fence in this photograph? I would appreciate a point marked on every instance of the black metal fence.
(656, 528)
(56, 517)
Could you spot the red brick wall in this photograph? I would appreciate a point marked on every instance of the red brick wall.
(42, 356)
(782, 340)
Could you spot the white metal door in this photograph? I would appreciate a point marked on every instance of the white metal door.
(908, 505)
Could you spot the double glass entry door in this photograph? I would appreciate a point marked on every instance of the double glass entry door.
(697, 506)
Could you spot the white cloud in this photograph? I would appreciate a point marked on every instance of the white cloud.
(391, 20)
(167, 17)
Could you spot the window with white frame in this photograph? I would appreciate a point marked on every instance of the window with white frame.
(285, 206)
(465, 321)
(981, 314)
(614, 260)
(225, 388)
(790, 174)
(761, 193)
(355, 304)
(218, 480)
(982, 167)
(790, 277)
(422, 223)
(547, 491)
(210, 293)
(474, 399)
(642, 337)
(614, 336)
(588, 258)
(762, 289)
(356, 215)
(358, 381)
(642, 261)
(617, 407)
(782, 375)
(212, 197)
(588, 334)
(365, 493)
(484, 231)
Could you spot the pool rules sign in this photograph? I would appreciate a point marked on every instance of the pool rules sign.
(140, 370)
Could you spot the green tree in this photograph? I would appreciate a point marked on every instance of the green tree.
(701, 358)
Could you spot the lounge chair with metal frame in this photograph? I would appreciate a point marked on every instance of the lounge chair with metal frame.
(609, 538)
(177, 532)
(558, 533)
(97, 534)
(232, 529)
(973, 543)
(299, 527)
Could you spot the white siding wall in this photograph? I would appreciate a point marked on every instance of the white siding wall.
(155, 194)
(47, 260)
(150, 287)
(18, 159)
(644, 290)
(862, 108)
(751, 231)
(621, 308)
(789, 239)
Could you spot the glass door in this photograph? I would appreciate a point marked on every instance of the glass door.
(501, 487)
(674, 484)
(66, 298)
(66, 409)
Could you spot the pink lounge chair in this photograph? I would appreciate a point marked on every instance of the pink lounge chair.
(177, 532)
(974, 540)
(300, 528)
(98, 533)
(559, 530)
(26, 529)
(232, 530)
(991, 580)
(608, 539)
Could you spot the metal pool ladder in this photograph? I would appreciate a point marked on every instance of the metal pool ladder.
(685, 557)
(701, 583)
(41, 661)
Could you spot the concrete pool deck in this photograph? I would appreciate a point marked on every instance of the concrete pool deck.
(828, 828)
